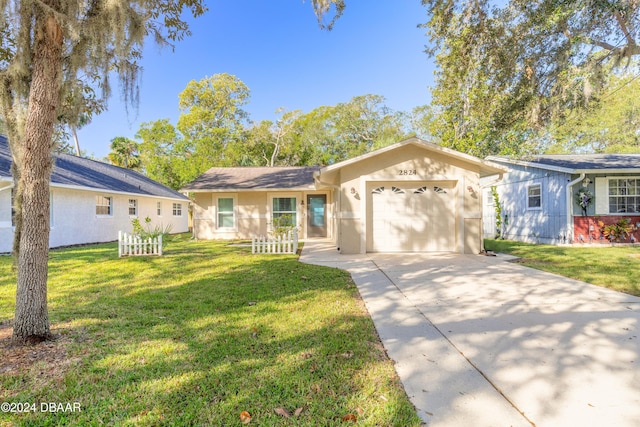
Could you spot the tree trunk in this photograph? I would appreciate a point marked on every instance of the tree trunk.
(32, 318)
(74, 133)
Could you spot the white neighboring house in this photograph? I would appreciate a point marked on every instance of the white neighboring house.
(91, 201)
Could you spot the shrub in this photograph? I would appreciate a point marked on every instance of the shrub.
(616, 231)
(151, 233)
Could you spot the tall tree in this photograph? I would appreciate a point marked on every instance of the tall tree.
(505, 72)
(363, 124)
(46, 47)
(273, 141)
(161, 154)
(612, 125)
(125, 153)
(212, 118)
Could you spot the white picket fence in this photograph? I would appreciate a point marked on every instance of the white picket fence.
(129, 244)
(283, 244)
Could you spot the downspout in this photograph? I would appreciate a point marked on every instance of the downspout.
(570, 207)
(338, 216)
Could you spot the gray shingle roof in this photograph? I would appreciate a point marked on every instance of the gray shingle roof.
(76, 171)
(254, 178)
(582, 162)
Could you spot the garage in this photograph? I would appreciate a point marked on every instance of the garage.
(414, 216)
(413, 196)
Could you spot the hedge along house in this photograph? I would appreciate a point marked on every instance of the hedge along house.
(91, 201)
(412, 196)
(542, 198)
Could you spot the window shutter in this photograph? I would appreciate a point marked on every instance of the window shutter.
(602, 196)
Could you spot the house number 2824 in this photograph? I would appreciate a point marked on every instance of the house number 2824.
(407, 172)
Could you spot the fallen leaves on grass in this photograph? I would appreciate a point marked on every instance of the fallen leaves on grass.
(245, 417)
(286, 414)
(350, 418)
(282, 412)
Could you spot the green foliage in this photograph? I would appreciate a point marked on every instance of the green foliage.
(608, 125)
(147, 232)
(498, 208)
(124, 153)
(212, 131)
(282, 225)
(504, 72)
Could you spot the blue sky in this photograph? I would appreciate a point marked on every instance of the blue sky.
(277, 49)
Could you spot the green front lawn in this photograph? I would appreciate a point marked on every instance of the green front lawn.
(613, 267)
(196, 337)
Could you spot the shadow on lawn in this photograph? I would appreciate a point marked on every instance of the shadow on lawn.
(207, 331)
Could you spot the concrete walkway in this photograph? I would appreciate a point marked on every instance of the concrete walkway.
(479, 341)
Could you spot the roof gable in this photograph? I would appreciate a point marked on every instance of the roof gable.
(485, 168)
(78, 172)
(254, 178)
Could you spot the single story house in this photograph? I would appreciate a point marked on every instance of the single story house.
(91, 201)
(411, 196)
(560, 199)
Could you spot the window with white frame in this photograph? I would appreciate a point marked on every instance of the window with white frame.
(624, 195)
(177, 209)
(133, 207)
(284, 211)
(159, 208)
(104, 205)
(534, 196)
(226, 213)
(488, 197)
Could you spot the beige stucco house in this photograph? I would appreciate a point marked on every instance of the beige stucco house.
(413, 196)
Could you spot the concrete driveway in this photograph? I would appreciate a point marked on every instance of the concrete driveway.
(480, 341)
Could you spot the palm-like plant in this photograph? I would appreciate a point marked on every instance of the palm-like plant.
(124, 153)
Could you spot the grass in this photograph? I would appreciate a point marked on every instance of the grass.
(200, 335)
(613, 267)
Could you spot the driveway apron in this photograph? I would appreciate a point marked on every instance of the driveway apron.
(480, 341)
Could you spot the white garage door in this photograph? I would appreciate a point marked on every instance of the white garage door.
(414, 217)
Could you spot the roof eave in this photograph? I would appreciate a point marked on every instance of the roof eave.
(107, 190)
(245, 190)
(532, 164)
(635, 171)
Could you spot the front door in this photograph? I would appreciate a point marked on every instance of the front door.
(316, 215)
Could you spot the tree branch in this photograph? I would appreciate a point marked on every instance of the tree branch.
(623, 27)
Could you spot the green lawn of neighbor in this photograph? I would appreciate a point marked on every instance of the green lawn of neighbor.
(196, 337)
(613, 267)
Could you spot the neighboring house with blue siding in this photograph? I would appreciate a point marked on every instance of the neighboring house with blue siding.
(540, 197)
(91, 201)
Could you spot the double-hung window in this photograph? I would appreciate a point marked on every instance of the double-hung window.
(177, 209)
(159, 208)
(133, 207)
(226, 213)
(534, 196)
(104, 206)
(624, 195)
(284, 211)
